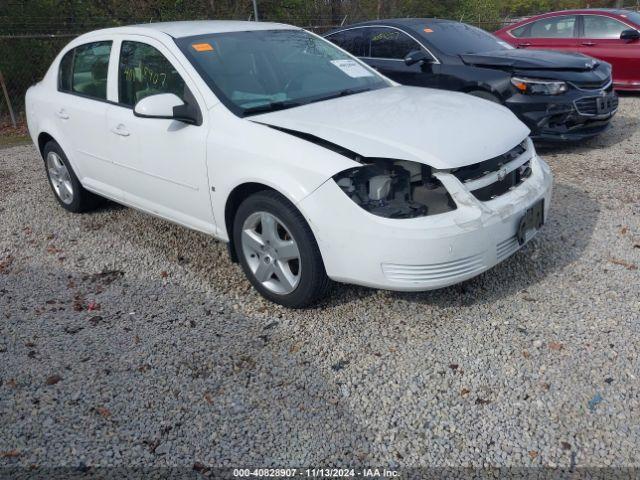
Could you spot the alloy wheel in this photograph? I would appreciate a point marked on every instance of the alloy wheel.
(271, 252)
(60, 178)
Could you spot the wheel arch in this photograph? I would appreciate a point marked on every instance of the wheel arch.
(235, 198)
(43, 139)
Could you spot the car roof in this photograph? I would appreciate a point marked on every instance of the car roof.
(399, 22)
(615, 11)
(195, 27)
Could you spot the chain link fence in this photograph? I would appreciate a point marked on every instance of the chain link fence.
(29, 45)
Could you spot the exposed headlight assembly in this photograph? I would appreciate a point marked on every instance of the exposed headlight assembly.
(530, 86)
(395, 189)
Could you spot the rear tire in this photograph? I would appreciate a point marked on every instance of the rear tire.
(66, 187)
(485, 95)
(278, 252)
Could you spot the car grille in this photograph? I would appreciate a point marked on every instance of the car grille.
(505, 174)
(589, 106)
(605, 84)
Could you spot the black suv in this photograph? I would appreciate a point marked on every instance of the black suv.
(559, 96)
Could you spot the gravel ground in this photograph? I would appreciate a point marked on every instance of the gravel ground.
(126, 340)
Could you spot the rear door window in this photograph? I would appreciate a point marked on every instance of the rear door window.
(599, 26)
(89, 71)
(388, 43)
(353, 41)
(553, 27)
(144, 71)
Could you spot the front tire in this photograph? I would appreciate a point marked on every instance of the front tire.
(278, 252)
(66, 187)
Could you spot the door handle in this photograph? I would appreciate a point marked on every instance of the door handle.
(120, 130)
(62, 113)
(588, 44)
(524, 45)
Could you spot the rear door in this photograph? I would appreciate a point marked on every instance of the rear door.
(353, 40)
(550, 33)
(81, 108)
(600, 38)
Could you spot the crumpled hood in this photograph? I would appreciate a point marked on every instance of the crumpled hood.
(438, 128)
(531, 59)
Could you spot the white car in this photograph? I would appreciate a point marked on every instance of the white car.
(310, 164)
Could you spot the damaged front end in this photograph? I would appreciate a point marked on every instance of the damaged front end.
(395, 189)
(404, 189)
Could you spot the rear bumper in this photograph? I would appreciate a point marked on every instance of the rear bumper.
(569, 117)
(422, 253)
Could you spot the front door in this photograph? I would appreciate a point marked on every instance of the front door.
(161, 162)
(388, 49)
(601, 39)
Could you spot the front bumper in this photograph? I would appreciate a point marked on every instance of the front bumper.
(421, 253)
(572, 116)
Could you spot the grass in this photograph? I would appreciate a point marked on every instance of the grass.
(11, 136)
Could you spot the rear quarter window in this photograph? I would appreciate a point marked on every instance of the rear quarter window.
(65, 72)
(519, 32)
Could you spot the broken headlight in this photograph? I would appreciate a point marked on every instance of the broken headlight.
(395, 189)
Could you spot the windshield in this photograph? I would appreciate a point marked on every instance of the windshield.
(454, 38)
(264, 70)
(633, 16)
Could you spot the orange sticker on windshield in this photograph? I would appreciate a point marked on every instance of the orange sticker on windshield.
(428, 30)
(202, 47)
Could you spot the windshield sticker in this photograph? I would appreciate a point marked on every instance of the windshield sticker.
(428, 30)
(202, 47)
(352, 68)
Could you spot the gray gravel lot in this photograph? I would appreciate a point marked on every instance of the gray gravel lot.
(126, 340)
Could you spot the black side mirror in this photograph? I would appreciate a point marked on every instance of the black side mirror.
(631, 34)
(417, 56)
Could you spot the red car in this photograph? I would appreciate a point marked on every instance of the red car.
(608, 34)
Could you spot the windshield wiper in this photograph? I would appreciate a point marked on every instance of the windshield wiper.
(282, 105)
(271, 107)
(341, 93)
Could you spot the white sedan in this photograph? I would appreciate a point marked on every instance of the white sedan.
(310, 164)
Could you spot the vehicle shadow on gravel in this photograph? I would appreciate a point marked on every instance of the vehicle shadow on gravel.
(562, 241)
(178, 378)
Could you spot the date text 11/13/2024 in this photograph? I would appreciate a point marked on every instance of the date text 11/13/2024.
(316, 472)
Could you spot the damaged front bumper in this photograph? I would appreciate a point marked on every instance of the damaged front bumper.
(573, 116)
(428, 252)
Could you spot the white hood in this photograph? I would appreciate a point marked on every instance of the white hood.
(439, 128)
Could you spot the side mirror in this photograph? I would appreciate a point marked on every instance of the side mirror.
(631, 34)
(165, 105)
(417, 56)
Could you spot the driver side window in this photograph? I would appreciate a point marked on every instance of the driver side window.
(388, 43)
(144, 71)
(598, 26)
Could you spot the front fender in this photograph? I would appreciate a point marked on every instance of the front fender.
(242, 151)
